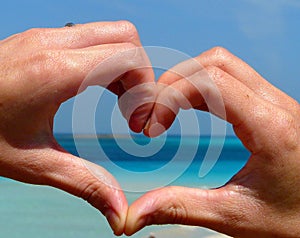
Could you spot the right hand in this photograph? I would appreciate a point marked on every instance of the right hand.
(261, 200)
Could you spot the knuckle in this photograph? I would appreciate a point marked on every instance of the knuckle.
(42, 64)
(280, 130)
(216, 75)
(128, 25)
(286, 128)
(31, 32)
(219, 52)
(176, 211)
(33, 35)
(90, 193)
(34, 38)
(220, 55)
(130, 29)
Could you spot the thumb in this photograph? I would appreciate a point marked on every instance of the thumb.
(95, 185)
(81, 178)
(221, 209)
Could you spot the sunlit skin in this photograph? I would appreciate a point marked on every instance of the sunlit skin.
(42, 68)
(262, 200)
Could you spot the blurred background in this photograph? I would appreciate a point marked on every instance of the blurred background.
(263, 33)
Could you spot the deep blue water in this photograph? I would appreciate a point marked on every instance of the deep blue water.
(232, 158)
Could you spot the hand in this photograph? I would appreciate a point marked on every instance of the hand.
(40, 69)
(262, 200)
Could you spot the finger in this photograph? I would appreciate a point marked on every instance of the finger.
(82, 35)
(222, 210)
(232, 65)
(240, 70)
(72, 71)
(227, 98)
(198, 91)
(74, 175)
(98, 187)
(136, 96)
(130, 71)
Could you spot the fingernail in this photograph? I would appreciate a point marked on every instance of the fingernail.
(113, 219)
(147, 125)
(156, 129)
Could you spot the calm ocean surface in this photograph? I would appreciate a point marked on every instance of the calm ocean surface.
(139, 164)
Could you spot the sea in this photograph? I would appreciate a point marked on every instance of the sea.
(139, 164)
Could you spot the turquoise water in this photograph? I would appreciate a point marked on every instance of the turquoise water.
(35, 211)
(190, 152)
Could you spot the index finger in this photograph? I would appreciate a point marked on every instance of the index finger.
(224, 60)
(82, 35)
(129, 74)
(248, 113)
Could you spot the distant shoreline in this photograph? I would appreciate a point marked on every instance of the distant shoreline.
(126, 136)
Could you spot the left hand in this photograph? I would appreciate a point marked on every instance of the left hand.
(42, 68)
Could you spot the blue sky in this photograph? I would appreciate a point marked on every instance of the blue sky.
(264, 33)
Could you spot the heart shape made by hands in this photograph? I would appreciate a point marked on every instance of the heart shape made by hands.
(39, 73)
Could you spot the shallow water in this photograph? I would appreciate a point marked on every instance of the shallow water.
(35, 211)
